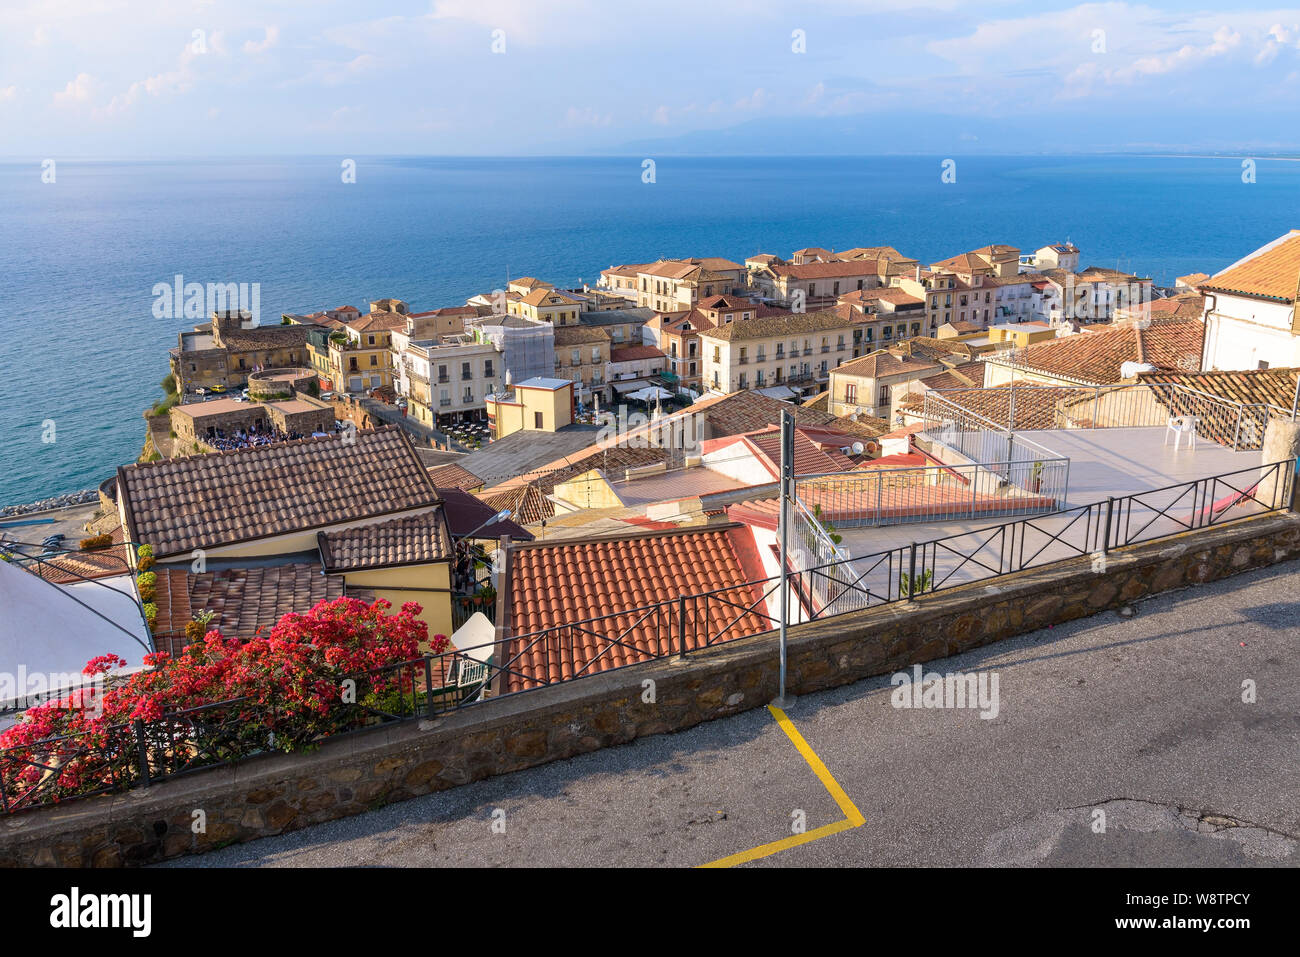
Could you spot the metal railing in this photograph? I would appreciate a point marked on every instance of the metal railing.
(938, 492)
(137, 754)
(1015, 408)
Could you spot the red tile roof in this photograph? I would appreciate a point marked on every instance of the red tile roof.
(1096, 354)
(1270, 272)
(633, 353)
(814, 453)
(890, 496)
(454, 476)
(562, 583)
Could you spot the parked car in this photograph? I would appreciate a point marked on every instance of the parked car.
(327, 396)
(200, 391)
(218, 388)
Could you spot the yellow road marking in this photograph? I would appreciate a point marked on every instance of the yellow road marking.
(852, 816)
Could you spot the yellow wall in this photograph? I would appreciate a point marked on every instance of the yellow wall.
(556, 407)
(428, 585)
(588, 490)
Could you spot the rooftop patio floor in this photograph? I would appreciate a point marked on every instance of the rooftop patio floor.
(1103, 463)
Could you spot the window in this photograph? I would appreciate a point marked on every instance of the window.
(595, 353)
(374, 360)
(575, 357)
(744, 355)
(812, 289)
(851, 393)
(835, 291)
(442, 373)
(884, 395)
(744, 382)
(464, 371)
(469, 393)
(487, 369)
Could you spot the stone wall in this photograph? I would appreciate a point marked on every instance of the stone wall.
(348, 775)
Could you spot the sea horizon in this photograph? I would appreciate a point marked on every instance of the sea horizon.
(83, 253)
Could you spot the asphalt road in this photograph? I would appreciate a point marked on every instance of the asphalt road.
(1141, 718)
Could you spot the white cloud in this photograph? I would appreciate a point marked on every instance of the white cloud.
(8, 93)
(79, 90)
(253, 47)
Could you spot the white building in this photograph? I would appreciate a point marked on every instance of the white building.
(1250, 309)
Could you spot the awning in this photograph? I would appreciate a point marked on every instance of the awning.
(625, 386)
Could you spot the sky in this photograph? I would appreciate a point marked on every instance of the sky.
(111, 78)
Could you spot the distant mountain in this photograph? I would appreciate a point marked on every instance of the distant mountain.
(914, 132)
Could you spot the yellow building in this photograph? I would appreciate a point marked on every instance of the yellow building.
(361, 355)
(535, 405)
(548, 305)
(1022, 333)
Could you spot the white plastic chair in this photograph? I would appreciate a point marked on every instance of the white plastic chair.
(1179, 426)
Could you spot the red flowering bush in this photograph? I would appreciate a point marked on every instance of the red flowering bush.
(315, 674)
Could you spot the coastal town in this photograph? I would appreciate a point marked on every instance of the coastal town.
(558, 483)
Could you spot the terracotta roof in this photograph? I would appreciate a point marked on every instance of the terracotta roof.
(172, 599)
(1252, 386)
(835, 269)
(888, 253)
(1035, 406)
(774, 327)
(177, 505)
(1096, 354)
(407, 540)
(889, 498)
(546, 296)
(1193, 278)
(78, 566)
(245, 600)
(577, 335)
(633, 353)
(884, 363)
(813, 453)
(526, 503)
(965, 376)
(560, 583)
(895, 295)
(379, 322)
(454, 476)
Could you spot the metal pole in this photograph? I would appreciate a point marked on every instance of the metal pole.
(783, 531)
(1011, 422)
(1295, 402)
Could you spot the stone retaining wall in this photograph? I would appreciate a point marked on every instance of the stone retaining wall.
(348, 775)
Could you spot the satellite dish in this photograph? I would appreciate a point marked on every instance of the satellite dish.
(858, 448)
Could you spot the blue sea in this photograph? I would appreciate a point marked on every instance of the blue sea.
(79, 257)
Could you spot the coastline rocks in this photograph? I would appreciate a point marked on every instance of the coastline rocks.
(85, 497)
